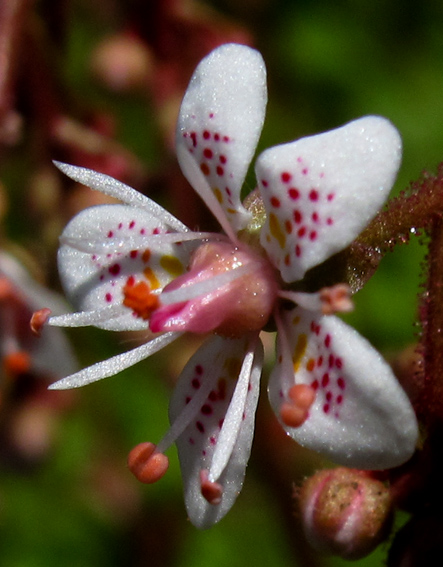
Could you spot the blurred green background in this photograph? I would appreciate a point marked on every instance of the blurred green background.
(328, 63)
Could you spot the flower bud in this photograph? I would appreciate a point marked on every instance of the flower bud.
(345, 512)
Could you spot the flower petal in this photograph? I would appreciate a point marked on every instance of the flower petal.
(95, 279)
(361, 417)
(226, 416)
(220, 121)
(320, 192)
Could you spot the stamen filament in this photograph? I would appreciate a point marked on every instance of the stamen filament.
(113, 365)
(109, 186)
(193, 290)
(234, 417)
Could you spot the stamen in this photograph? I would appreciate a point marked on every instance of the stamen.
(146, 464)
(193, 290)
(39, 319)
(211, 491)
(109, 186)
(336, 299)
(127, 244)
(16, 363)
(295, 412)
(140, 299)
(87, 318)
(113, 365)
(233, 418)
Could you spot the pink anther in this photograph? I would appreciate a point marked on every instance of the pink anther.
(336, 299)
(211, 491)
(295, 411)
(147, 465)
(38, 320)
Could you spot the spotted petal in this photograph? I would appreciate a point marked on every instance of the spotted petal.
(220, 121)
(361, 417)
(103, 248)
(321, 191)
(219, 437)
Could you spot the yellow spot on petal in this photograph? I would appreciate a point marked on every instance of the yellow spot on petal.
(232, 211)
(276, 230)
(146, 256)
(172, 265)
(296, 320)
(204, 168)
(299, 351)
(154, 282)
(218, 194)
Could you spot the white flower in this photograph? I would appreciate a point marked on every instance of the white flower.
(134, 266)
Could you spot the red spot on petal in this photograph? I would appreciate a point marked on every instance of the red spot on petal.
(293, 193)
(110, 234)
(199, 425)
(327, 341)
(298, 251)
(133, 253)
(341, 383)
(288, 226)
(330, 196)
(301, 231)
(326, 408)
(132, 224)
(298, 217)
(206, 409)
(304, 171)
(264, 183)
(225, 138)
(217, 137)
(286, 177)
(207, 152)
(329, 221)
(223, 159)
(315, 217)
(313, 195)
(195, 383)
(206, 135)
(114, 269)
(199, 369)
(220, 171)
(275, 202)
(313, 235)
(315, 385)
(325, 380)
(193, 136)
(339, 399)
(108, 297)
(338, 363)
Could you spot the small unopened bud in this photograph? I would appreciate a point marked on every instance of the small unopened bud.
(345, 512)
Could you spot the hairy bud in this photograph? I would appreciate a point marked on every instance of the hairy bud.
(345, 512)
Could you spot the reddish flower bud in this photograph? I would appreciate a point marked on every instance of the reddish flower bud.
(345, 512)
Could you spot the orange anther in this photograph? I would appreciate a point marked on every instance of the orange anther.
(302, 396)
(292, 416)
(295, 412)
(140, 299)
(16, 363)
(38, 319)
(147, 465)
(211, 491)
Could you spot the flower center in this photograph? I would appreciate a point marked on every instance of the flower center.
(228, 289)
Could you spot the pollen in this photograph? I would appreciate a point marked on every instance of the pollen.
(140, 299)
